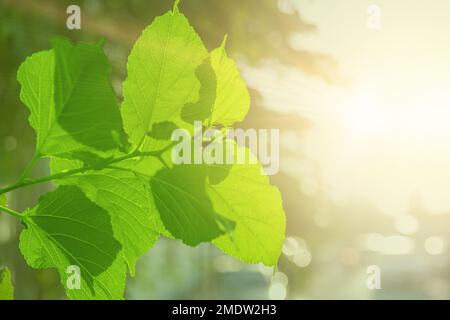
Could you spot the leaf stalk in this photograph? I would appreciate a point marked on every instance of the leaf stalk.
(11, 212)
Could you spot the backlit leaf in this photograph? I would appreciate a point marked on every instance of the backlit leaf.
(185, 209)
(125, 196)
(161, 76)
(72, 104)
(242, 194)
(232, 98)
(67, 229)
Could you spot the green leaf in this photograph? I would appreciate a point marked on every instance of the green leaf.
(6, 287)
(161, 76)
(232, 98)
(232, 205)
(242, 194)
(72, 104)
(185, 208)
(3, 200)
(125, 196)
(66, 229)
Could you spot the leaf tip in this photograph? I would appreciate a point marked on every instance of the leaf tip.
(101, 43)
(175, 6)
(224, 42)
(275, 268)
(132, 270)
(58, 40)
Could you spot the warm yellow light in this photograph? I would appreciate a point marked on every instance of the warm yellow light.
(362, 116)
(382, 135)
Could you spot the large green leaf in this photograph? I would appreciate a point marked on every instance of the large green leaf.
(193, 201)
(72, 104)
(67, 229)
(2, 199)
(161, 76)
(6, 287)
(242, 194)
(232, 98)
(126, 198)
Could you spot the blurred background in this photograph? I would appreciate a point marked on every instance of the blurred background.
(360, 92)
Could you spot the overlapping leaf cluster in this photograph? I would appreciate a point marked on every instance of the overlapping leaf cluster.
(118, 191)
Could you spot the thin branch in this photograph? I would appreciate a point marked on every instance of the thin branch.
(64, 174)
(29, 168)
(11, 212)
(49, 178)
